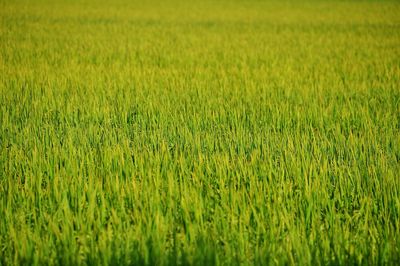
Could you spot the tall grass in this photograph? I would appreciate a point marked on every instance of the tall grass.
(221, 132)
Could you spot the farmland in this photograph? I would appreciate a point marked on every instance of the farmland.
(207, 133)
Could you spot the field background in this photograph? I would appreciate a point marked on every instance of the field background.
(215, 132)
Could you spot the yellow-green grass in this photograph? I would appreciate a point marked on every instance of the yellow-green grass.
(218, 132)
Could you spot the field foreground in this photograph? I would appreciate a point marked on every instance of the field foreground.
(218, 132)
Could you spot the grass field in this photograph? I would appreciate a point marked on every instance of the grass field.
(218, 132)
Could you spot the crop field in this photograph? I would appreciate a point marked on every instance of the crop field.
(203, 133)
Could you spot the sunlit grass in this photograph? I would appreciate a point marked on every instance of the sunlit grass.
(209, 133)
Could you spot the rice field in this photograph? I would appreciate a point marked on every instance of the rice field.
(205, 133)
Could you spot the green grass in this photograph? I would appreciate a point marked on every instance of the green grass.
(235, 132)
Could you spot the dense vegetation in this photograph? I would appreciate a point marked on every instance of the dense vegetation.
(220, 132)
